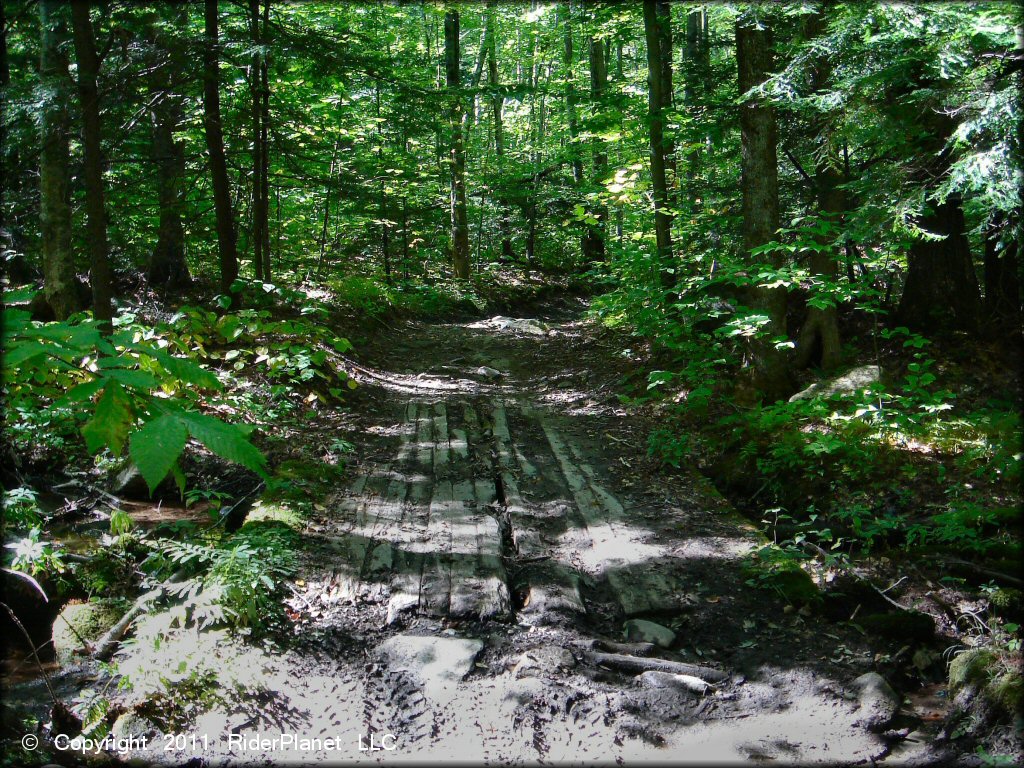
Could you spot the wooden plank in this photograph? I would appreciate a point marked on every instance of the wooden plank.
(435, 584)
(441, 444)
(424, 439)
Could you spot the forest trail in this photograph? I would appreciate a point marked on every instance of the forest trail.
(464, 597)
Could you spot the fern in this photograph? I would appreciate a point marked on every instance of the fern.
(234, 582)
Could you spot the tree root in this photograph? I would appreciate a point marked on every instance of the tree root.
(636, 664)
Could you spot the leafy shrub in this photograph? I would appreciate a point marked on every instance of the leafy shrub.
(234, 580)
(128, 389)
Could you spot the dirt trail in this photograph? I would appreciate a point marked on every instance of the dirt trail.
(503, 525)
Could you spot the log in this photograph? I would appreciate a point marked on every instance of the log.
(107, 644)
(637, 665)
(632, 649)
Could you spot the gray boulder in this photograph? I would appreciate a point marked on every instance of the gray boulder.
(877, 702)
(643, 631)
(852, 381)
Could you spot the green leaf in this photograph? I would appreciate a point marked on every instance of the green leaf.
(226, 440)
(182, 369)
(110, 423)
(156, 447)
(133, 379)
(21, 352)
(80, 394)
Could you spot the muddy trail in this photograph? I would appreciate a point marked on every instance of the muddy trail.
(507, 578)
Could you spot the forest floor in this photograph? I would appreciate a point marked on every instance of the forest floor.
(477, 590)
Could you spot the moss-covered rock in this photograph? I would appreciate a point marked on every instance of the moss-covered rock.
(970, 667)
(903, 626)
(795, 585)
(1007, 691)
(81, 623)
(273, 512)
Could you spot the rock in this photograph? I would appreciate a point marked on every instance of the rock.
(970, 667)
(437, 662)
(488, 373)
(81, 623)
(128, 483)
(544, 660)
(687, 683)
(643, 631)
(878, 702)
(399, 604)
(794, 584)
(519, 325)
(132, 726)
(1007, 692)
(852, 381)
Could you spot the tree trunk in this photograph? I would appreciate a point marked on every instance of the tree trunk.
(167, 265)
(819, 339)
(226, 244)
(259, 215)
(92, 167)
(460, 222)
(941, 291)
(1002, 277)
(663, 14)
(657, 101)
(60, 288)
(265, 143)
(570, 94)
(497, 105)
(593, 238)
(760, 188)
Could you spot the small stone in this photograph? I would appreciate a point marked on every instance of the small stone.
(879, 703)
(399, 604)
(643, 631)
(655, 679)
(488, 373)
(543, 660)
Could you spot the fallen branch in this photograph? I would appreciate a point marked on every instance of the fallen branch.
(106, 645)
(633, 649)
(847, 569)
(983, 571)
(636, 664)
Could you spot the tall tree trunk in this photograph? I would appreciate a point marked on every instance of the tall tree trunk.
(167, 265)
(92, 167)
(568, 59)
(265, 143)
(60, 288)
(819, 338)
(657, 101)
(691, 80)
(760, 188)
(663, 14)
(259, 215)
(327, 210)
(1002, 277)
(5, 80)
(460, 223)
(226, 244)
(497, 105)
(593, 238)
(941, 291)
